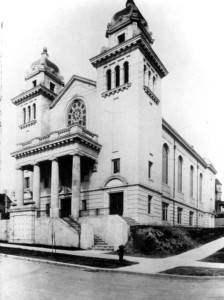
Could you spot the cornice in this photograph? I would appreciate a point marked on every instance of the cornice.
(52, 76)
(177, 136)
(74, 134)
(138, 41)
(36, 91)
(151, 94)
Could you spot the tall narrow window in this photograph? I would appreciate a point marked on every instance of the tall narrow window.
(165, 211)
(116, 165)
(149, 204)
(165, 164)
(179, 215)
(154, 83)
(29, 114)
(149, 80)
(34, 111)
(121, 38)
(24, 115)
(191, 216)
(77, 113)
(117, 76)
(150, 169)
(200, 187)
(52, 86)
(108, 78)
(191, 181)
(126, 72)
(180, 173)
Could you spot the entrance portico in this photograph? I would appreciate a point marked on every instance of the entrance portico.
(79, 144)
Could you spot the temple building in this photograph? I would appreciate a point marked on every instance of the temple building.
(96, 157)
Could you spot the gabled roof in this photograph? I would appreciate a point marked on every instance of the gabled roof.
(68, 85)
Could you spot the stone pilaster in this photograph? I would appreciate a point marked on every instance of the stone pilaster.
(36, 184)
(20, 186)
(76, 182)
(54, 212)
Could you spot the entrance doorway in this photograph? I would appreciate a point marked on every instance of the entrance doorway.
(65, 207)
(116, 204)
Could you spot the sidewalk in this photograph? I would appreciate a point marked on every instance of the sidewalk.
(148, 265)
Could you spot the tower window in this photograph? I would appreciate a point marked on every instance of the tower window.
(116, 165)
(24, 115)
(126, 72)
(29, 114)
(52, 86)
(150, 169)
(77, 113)
(34, 83)
(108, 78)
(117, 76)
(34, 111)
(121, 38)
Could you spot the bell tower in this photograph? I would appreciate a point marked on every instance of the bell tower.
(43, 83)
(129, 77)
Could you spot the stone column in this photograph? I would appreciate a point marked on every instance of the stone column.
(122, 76)
(20, 186)
(76, 181)
(36, 184)
(113, 79)
(54, 212)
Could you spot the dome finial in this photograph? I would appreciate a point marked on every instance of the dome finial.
(44, 51)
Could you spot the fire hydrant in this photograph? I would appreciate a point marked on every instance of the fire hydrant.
(120, 252)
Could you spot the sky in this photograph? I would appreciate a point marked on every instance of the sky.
(189, 40)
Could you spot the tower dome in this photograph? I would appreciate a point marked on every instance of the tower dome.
(44, 64)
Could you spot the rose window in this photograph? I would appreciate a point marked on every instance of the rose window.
(77, 113)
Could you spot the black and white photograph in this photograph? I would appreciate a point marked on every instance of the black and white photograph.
(111, 150)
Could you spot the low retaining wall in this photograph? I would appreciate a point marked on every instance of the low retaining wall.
(113, 229)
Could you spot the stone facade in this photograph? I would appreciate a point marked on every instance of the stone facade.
(93, 150)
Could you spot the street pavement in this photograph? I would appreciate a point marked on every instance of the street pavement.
(151, 265)
(28, 280)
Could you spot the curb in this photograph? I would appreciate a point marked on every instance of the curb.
(106, 270)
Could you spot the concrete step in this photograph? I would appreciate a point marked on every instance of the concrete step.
(101, 244)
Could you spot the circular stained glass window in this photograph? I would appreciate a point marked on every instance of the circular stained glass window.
(77, 113)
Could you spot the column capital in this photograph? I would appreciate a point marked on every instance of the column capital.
(18, 167)
(53, 158)
(35, 163)
(76, 152)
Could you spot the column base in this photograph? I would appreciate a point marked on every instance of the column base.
(54, 212)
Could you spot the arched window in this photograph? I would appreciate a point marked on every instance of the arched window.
(149, 79)
(77, 113)
(180, 174)
(165, 164)
(117, 76)
(29, 114)
(24, 115)
(154, 83)
(200, 187)
(126, 72)
(191, 181)
(34, 111)
(108, 78)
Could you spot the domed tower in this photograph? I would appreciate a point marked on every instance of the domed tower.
(43, 83)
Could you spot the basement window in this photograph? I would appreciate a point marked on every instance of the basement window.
(121, 38)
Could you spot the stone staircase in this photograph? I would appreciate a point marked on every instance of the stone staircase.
(100, 244)
(130, 221)
(72, 223)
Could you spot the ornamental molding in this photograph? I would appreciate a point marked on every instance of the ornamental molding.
(138, 41)
(36, 91)
(151, 94)
(116, 90)
(56, 139)
(31, 123)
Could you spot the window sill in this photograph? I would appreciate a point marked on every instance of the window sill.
(118, 89)
(28, 124)
(151, 94)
